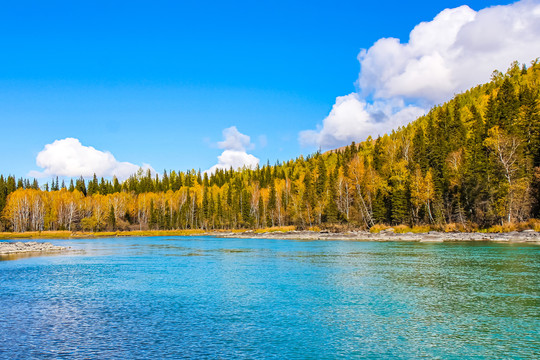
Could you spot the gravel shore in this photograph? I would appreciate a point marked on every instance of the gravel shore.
(527, 236)
(7, 248)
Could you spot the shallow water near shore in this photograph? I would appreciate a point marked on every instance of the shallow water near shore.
(204, 297)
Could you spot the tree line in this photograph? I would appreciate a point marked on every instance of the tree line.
(474, 160)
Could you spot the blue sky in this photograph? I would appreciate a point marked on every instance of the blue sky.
(157, 82)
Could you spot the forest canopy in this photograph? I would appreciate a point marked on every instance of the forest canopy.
(474, 160)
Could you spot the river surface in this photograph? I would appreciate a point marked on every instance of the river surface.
(204, 297)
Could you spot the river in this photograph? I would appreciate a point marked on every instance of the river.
(205, 297)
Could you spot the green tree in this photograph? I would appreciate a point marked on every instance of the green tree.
(112, 217)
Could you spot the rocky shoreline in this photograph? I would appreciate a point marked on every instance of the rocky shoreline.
(527, 236)
(8, 248)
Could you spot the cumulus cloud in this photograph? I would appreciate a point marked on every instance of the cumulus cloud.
(457, 50)
(235, 159)
(234, 155)
(352, 119)
(68, 157)
(235, 140)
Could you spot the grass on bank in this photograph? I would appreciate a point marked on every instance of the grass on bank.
(533, 224)
(275, 229)
(66, 234)
(83, 234)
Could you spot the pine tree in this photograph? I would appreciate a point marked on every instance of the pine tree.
(260, 211)
(399, 204)
(116, 185)
(246, 209)
(219, 211)
(529, 123)
(112, 217)
(320, 183)
(205, 210)
(93, 186)
(3, 193)
(419, 155)
(53, 185)
(80, 185)
(331, 209)
(507, 105)
(153, 215)
(165, 183)
(456, 130)
(491, 114)
(272, 202)
(211, 210)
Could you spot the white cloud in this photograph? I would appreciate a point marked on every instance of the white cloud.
(457, 50)
(234, 154)
(235, 159)
(352, 119)
(235, 140)
(68, 157)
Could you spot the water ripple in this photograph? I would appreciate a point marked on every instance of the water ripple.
(173, 298)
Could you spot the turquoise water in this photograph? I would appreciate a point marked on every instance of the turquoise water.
(202, 297)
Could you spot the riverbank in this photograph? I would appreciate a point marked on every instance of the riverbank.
(88, 235)
(106, 234)
(9, 248)
(527, 236)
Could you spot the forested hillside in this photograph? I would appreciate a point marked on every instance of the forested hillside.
(474, 161)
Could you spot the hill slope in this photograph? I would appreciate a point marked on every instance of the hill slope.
(474, 160)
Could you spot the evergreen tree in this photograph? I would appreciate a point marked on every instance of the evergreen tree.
(3, 193)
(529, 123)
(399, 204)
(112, 217)
(491, 114)
(320, 183)
(380, 209)
(54, 184)
(81, 185)
(205, 210)
(219, 211)
(93, 186)
(11, 187)
(260, 211)
(165, 182)
(456, 130)
(246, 209)
(331, 209)
(419, 154)
(507, 105)
(116, 185)
(271, 208)
(153, 216)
